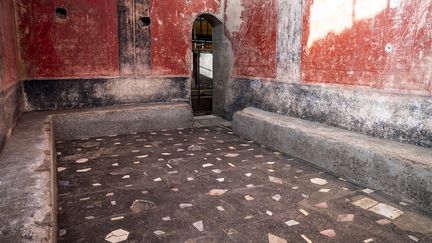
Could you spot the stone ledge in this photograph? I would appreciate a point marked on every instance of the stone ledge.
(28, 188)
(405, 118)
(122, 120)
(400, 170)
(26, 183)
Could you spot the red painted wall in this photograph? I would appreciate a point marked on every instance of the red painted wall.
(84, 44)
(254, 43)
(8, 48)
(351, 49)
(171, 34)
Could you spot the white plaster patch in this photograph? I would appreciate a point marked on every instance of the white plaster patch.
(395, 3)
(234, 10)
(365, 9)
(329, 16)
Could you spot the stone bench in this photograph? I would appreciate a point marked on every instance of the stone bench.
(28, 183)
(400, 170)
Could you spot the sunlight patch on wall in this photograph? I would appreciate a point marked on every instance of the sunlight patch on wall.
(234, 10)
(334, 16)
(367, 9)
(329, 16)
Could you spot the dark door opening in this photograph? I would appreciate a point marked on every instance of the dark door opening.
(202, 71)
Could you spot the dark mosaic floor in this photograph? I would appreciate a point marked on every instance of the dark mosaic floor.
(160, 187)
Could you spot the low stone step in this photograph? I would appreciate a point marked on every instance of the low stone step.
(121, 120)
(400, 170)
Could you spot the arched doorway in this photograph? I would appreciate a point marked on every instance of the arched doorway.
(209, 66)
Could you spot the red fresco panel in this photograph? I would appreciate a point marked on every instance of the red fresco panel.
(357, 55)
(84, 44)
(171, 35)
(9, 71)
(254, 44)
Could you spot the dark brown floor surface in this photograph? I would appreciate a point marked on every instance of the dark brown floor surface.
(156, 187)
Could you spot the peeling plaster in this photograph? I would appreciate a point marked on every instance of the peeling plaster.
(388, 48)
(233, 12)
(334, 16)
